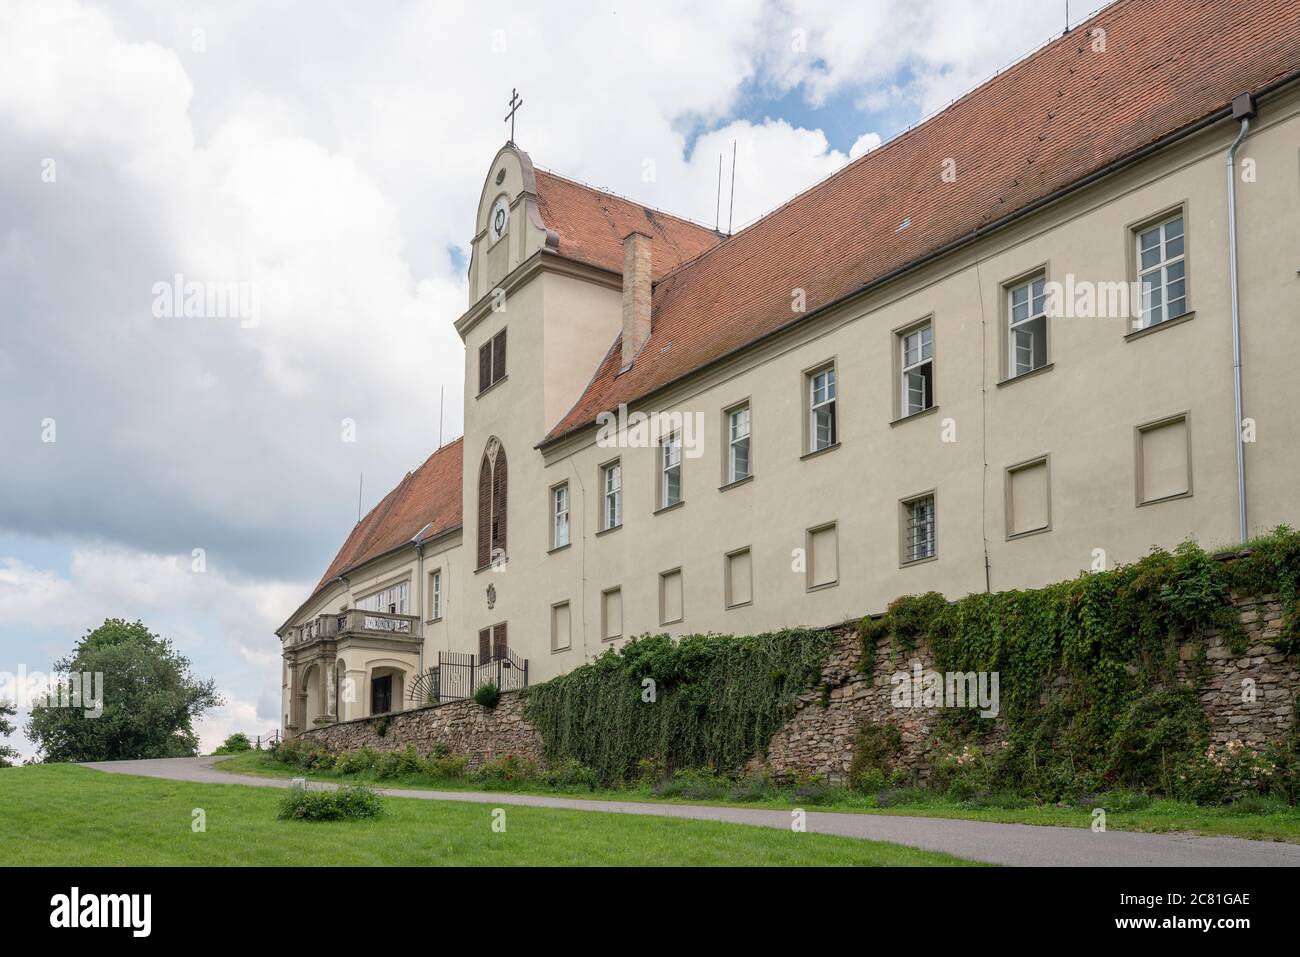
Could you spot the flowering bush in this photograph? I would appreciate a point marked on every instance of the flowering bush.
(1225, 773)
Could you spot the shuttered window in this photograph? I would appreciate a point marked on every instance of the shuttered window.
(492, 643)
(493, 496)
(492, 361)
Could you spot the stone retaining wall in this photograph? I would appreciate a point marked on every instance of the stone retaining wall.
(818, 739)
(464, 727)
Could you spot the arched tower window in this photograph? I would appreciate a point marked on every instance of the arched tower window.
(492, 481)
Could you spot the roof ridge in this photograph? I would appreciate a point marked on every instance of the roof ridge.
(627, 199)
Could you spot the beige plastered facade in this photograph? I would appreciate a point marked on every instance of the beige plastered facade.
(1083, 413)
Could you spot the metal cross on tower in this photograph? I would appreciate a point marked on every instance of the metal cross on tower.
(515, 103)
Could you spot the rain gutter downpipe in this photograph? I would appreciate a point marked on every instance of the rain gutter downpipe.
(1243, 108)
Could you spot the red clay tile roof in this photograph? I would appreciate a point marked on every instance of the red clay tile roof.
(428, 496)
(592, 223)
(1052, 119)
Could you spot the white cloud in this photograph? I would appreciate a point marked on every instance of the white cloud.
(864, 144)
(332, 157)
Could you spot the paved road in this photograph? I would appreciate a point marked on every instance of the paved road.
(1015, 844)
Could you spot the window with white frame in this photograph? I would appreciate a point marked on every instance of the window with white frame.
(670, 469)
(560, 516)
(1162, 272)
(917, 347)
(392, 599)
(738, 443)
(822, 426)
(1027, 326)
(918, 529)
(612, 481)
(435, 594)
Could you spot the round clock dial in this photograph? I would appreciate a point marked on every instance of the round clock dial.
(499, 219)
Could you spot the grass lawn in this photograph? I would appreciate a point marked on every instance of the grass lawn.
(1277, 823)
(69, 815)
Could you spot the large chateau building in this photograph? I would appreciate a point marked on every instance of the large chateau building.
(1014, 344)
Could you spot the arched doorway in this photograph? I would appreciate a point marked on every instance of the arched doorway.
(311, 686)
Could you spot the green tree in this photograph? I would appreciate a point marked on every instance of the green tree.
(7, 754)
(150, 700)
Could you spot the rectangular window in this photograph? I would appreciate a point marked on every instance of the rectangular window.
(823, 557)
(492, 361)
(561, 623)
(435, 595)
(670, 469)
(670, 597)
(1162, 272)
(392, 599)
(1164, 466)
(917, 354)
(919, 531)
(1028, 498)
(611, 614)
(739, 578)
(822, 425)
(560, 516)
(612, 482)
(1027, 326)
(738, 444)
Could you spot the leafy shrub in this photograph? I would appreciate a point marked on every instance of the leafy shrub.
(694, 784)
(1225, 773)
(509, 767)
(409, 762)
(1003, 800)
(815, 790)
(449, 766)
(487, 695)
(381, 727)
(348, 803)
(756, 787)
(962, 774)
(1258, 804)
(388, 765)
(875, 749)
(354, 762)
(893, 797)
(572, 774)
(234, 744)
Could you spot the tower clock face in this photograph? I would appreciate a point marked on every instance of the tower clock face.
(499, 219)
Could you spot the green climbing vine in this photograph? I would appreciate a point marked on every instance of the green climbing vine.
(1106, 646)
(706, 701)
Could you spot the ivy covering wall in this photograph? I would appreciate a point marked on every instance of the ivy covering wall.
(1097, 686)
(1092, 693)
(655, 705)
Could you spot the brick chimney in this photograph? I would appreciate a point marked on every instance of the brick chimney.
(636, 294)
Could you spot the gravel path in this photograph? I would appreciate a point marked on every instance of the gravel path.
(1015, 844)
